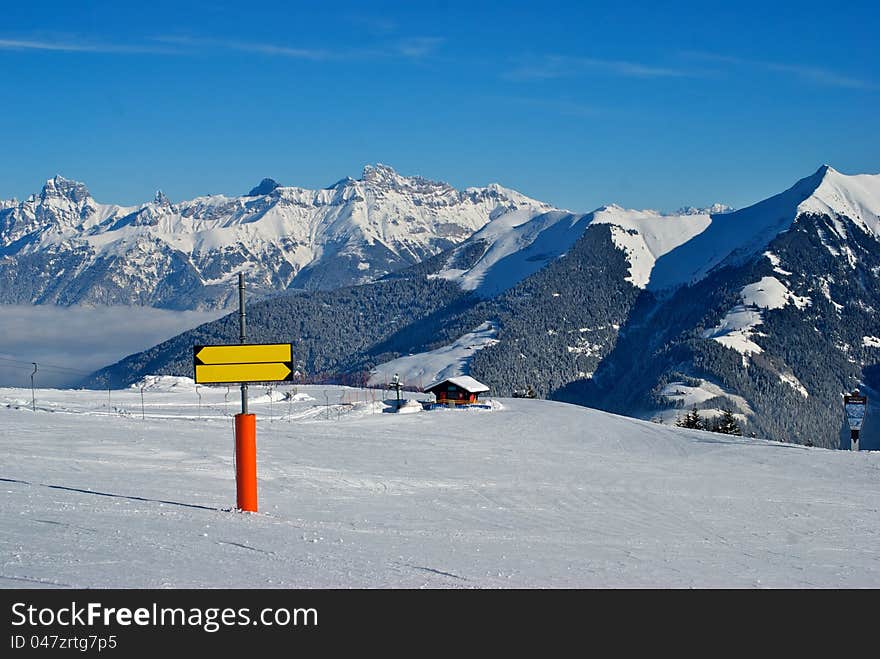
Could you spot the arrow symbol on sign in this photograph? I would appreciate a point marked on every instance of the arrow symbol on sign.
(244, 354)
(222, 373)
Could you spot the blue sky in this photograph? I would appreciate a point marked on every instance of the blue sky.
(649, 105)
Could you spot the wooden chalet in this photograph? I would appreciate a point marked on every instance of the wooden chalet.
(460, 390)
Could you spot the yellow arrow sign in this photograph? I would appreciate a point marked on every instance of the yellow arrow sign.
(228, 373)
(244, 353)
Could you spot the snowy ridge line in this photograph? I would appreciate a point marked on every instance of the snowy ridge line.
(732, 238)
(358, 231)
(666, 250)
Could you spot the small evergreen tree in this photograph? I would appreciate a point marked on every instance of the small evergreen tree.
(727, 424)
(691, 420)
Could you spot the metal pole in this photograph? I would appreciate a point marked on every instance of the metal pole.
(143, 415)
(242, 337)
(33, 395)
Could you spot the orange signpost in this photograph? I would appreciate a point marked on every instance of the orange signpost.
(246, 461)
(243, 363)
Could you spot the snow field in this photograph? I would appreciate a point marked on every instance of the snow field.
(533, 494)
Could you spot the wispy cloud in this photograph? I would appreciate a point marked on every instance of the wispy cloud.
(811, 74)
(410, 47)
(821, 76)
(547, 67)
(417, 47)
(196, 43)
(71, 45)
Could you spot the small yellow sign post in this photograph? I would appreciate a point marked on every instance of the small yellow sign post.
(243, 363)
(256, 362)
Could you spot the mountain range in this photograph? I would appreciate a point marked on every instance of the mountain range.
(768, 311)
(62, 247)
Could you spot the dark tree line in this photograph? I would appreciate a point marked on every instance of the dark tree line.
(725, 424)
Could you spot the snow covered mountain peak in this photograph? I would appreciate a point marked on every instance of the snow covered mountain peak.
(856, 197)
(731, 238)
(62, 188)
(382, 178)
(380, 175)
(266, 186)
(609, 209)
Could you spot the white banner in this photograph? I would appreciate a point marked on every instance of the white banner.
(855, 411)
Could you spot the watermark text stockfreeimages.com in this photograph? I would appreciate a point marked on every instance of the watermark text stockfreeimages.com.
(209, 619)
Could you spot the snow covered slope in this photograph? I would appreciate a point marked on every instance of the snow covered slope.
(736, 328)
(512, 248)
(535, 495)
(646, 235)
(63, 247)
(422, 369)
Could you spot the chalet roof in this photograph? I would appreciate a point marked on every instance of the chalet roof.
(465, 382)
